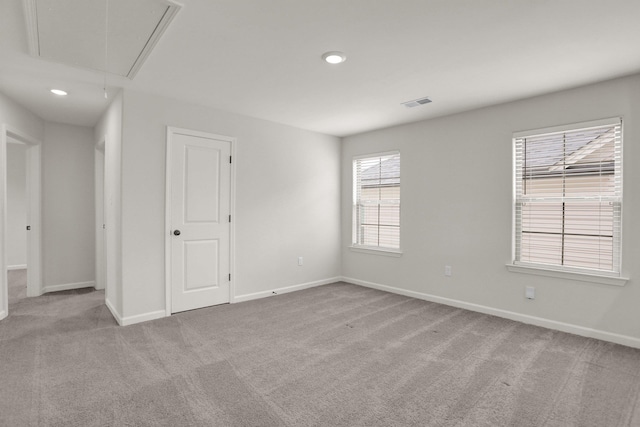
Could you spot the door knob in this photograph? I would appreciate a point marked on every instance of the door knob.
(176, 232)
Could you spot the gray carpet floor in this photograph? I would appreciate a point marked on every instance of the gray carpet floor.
(335, 355)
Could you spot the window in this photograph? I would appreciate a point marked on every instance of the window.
(568, 198)
(376, 202)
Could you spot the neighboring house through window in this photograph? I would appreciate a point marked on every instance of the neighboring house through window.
(376, 202)
(568, 197)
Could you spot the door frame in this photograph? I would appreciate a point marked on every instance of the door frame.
(171, 131)
(99, 162)
(34, 213)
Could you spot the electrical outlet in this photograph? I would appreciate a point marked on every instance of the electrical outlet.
(447, 270)
(300, 260)
(530, 292)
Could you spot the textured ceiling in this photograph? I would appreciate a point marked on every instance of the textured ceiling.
(263, 58)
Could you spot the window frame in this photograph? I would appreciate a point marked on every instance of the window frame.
(611, 277)
(370, 249)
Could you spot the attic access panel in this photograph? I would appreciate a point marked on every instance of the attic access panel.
(72, 32)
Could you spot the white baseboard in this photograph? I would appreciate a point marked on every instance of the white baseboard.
(113, 311)
(511, 315)
(68, 286)
(130, 320)
(31, 293)
(284, 290)
(138, 318)
(3, 314)
(17, 267)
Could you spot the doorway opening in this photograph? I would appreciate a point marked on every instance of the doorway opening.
(16, 228)
(10, 138)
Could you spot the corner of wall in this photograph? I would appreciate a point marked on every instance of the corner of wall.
(114, 312)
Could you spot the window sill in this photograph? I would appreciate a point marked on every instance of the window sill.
(376, 251)
(583, 277)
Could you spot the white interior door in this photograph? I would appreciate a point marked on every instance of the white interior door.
(200, 221)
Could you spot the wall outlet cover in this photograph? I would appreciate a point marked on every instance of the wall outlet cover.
(530, 292)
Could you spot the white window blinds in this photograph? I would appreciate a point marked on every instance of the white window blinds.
(376, 201)
(568, 197)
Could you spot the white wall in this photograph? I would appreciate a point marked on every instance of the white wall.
(456, 210)
(68, 207)
(109, 130)
(287, 200)
(16, 206)
(21, 119)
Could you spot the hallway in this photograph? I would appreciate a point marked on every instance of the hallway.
(76, 309)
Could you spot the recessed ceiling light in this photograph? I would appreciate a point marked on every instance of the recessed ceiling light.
(334, 57)
(58, 92)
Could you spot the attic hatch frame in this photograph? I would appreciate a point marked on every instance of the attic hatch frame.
(31, 20)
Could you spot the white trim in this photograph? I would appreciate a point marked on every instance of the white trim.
(571, 275)
(172, 10)
(100, 248)
(562, 128)
(376, 250)
(4, 285)
(382, 154)
(167, 224)
(113, 311)
(68, 286)
(17, 267)
(131, 320)
(3, 314)
(524, 318)
(232, 230)
(284, 290)
(139, 318)
(171, 130)
(31, 22)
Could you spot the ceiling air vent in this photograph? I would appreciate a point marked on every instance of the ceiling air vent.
(416, 102)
